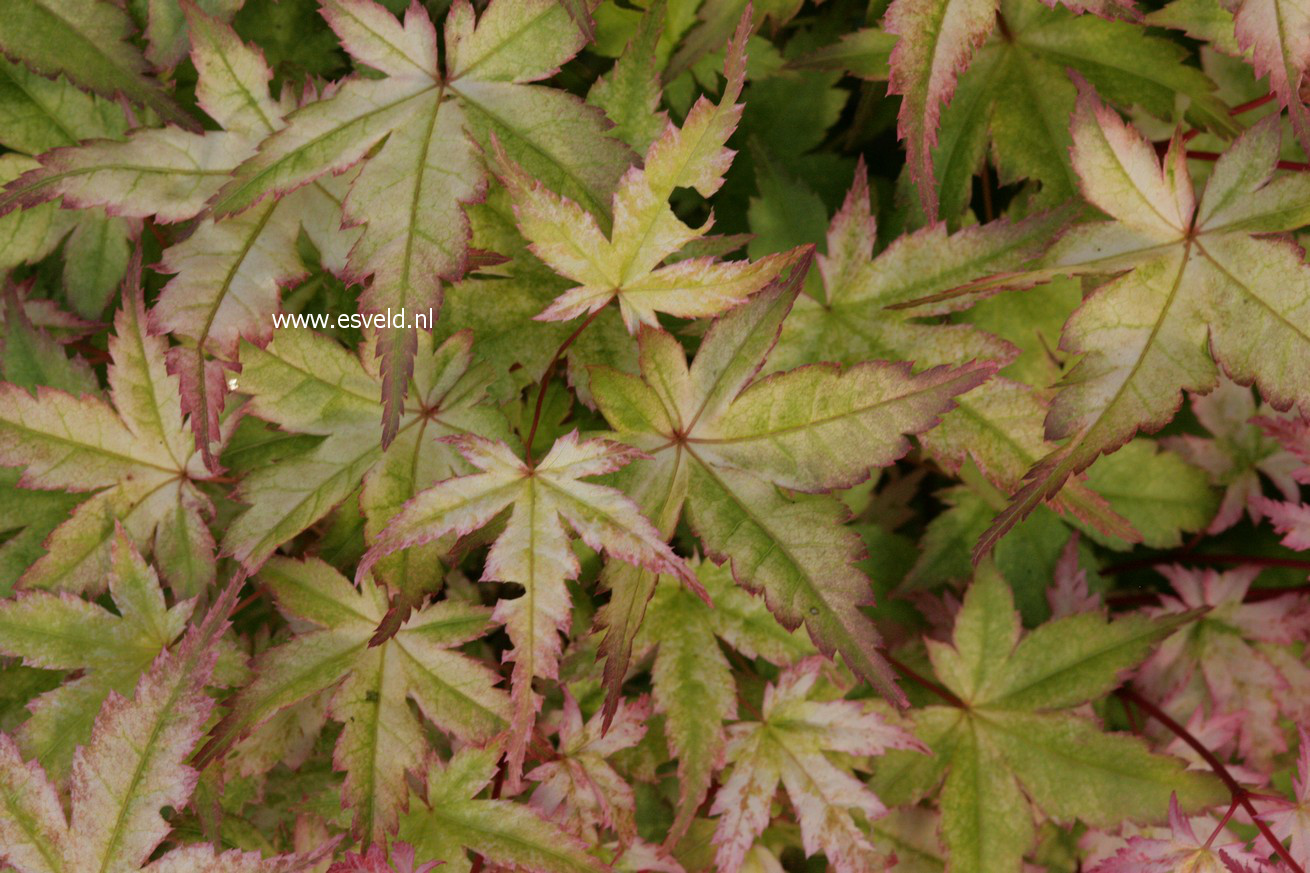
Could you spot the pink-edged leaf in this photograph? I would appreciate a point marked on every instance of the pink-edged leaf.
(937, 42)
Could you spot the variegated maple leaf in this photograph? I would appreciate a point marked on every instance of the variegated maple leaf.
(533, 550)
(578, 788)
(791, 744)
(228, 272)
(1197, 283)
(625, 264)
(133, 767)
(136, 455)
(399, 859)
(1182, 852)
(306, 383)
(1236, 658)
(1290, 819)
(419, 127)
(723, 444)
(371, 685)
(691, 678)
(1291, 520)
(1238, 452)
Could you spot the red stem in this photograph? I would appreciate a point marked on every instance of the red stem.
(545, 380)
(1206, 559)
(1251, 104)
(1240, 795)
(1282, 165)
(1232, 808)
(919, 679)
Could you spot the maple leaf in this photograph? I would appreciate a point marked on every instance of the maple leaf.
(1238, 453)
(451, 819)
(1182, 852)
(413, 124)
(228, 272)
(791, 744)
(533, 550)
(1196, 280)
(1290, 819)
(692, 681)
(1292, 520)
(64, 632)
(1016, 88)
(1236, 658)
(998, 424)
(306, 383)
(132, 767)
(1293, 434)
(381, 739)
(1218, 733)
(1068, 594)
(135, 455)
(625, 264)
(630, 93)
(723, 445)
(1012, 745)
(579, 789)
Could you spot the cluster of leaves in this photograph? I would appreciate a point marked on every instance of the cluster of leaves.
(728, 516)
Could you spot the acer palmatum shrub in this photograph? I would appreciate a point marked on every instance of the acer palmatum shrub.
(654, 436)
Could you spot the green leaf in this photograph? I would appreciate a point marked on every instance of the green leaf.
(1014, 748)
(1160, 494)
